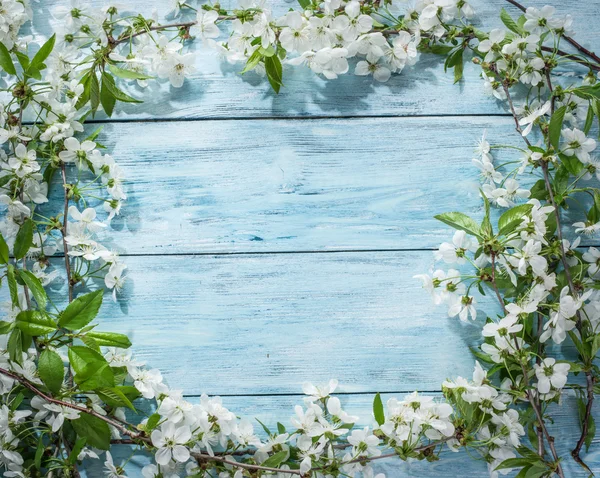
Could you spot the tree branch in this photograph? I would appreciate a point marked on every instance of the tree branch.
(200, 457)
(31, 387)
(64, 231)
(579, 47)
(532, 400)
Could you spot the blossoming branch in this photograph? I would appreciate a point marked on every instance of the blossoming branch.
(65, 386)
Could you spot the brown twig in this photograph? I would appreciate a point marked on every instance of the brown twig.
(532, 400)
(495, 285)
(538, 360)
(64, 231)
(578, 46)
(185, 25)
(137, 437)
(584, 426)
(588, 374)
(514, 113)
(31, 387)
(200, 457)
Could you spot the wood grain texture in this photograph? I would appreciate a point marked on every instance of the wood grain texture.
(273, 409)
(272, 185)
(219, 91)
(264, 324)
(253, 327)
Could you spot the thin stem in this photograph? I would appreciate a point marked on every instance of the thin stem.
(514, 113)
(185, 25)
(205, 457)
(532, 400)
(136, 437)
(495, 285)
(538, 360)
(553, 98)
(584, 425)
(28, 385)
(64, 230)
(578, 46)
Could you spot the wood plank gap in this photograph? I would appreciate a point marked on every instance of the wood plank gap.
(289, 118)
(273, 253)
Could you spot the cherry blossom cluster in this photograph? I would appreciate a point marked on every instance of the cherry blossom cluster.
(13, 14)
(527, 257)
(324, 36)
(65, 385)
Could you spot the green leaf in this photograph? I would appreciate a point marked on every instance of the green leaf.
(12, 285)
(114, 397)
(591, 433)
(36, 287)
(127, 74)
(253, 61)
(6, 327)
(486, 225)
(556, 126)
(280, 428)
(274, 72)
(264, 427)
(573, 165)
(24, 239)
(110, 339)
(514, 463)
(94, 93)
(39, 452)
(6, 62)
(15, 346)
(438, 49)
(510, 23)
(579, 345)
(51, 370)
(481, 356)
(594, 212)
(86, 81)
(596, 108)
(95, 134)
(115, 91)
(589, 120)
(3, 251)
(378, 410)
(561, 181)
(458, 70)
(43, 53)
(152, 421)
(92, 369)
(79, 444)
(4, 180)
(107, 98)
(94, 430)
(460, 221)
(587, 92)
(90, 342)
(23, 60)
(81, 311)
(277, 459)
(304, 4)
(538, 191)
(511, 218)
(35, 323)
(81, 357)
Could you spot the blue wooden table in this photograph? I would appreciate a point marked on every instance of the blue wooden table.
(272, 239)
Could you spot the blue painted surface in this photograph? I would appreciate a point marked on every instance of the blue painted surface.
(259, 324)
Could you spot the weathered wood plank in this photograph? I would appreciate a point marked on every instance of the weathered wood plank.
(270, 409)
(219, 91)
(273, 185)
(263, 324)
